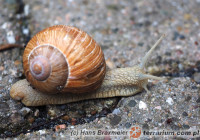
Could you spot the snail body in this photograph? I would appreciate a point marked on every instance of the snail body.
(64, 64)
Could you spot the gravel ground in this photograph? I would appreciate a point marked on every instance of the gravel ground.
(125, 30)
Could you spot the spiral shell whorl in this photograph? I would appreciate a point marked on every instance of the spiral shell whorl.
(47, 68)
(40, 68)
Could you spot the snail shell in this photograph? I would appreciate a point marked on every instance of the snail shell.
(64, 59)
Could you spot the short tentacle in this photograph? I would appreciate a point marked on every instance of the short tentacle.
(148, 76)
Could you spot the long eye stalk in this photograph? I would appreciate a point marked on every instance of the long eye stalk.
(144, 60)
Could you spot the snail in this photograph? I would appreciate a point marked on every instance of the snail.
(63, 64)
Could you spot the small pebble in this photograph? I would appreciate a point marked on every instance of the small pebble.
(25, 31)
(11, 37)
(31, 120)
(115, 120)
(26, 9)
(60, 127)
(17, 62)
(25, 111)
(51, 112)
(168, 121)
(116, 111)
(170, 101)
(140, 44)
(54, 136)
(196, 43)
(42, 132)
(36, 113)
(176, 35)
(128, 125)
(196, 76)
(158, 107)
(179, 28)
(3, 106)
(115, 30)
(198, 100)
(129, 114)
(182, 37)
(66, 117)
(72, 127)
(142, 105)
(188, 98)
(145, 127)
(93, 112)
(185, 114)
(73, 121)
(180, 66)
(110, 64)
(1, 68)
(13, 72)
(4, 26)
(185, 126)
(179, 125)
(187, 16)
(190, 114)
(132, 103)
